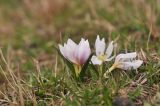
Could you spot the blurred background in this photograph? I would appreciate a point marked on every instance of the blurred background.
(30, 28)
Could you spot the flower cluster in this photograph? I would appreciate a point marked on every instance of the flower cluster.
(79, 54)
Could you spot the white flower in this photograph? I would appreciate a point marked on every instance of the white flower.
(77, 54)
(102, 54)
(127, 61)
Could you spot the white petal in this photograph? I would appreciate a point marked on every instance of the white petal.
(137, 64)
(123, 57)
(109, 59)
(62, 50)
(69, 51)
(132, 65)
(71, 43)
(83, 51)
(109, 49)
(100, 46)
(71, 57)
(96, 61)
(87, 50)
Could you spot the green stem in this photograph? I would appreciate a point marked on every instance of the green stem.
(100, 74)
(109, 71)
(77, 69)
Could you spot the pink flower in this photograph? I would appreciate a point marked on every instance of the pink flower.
(76, 53)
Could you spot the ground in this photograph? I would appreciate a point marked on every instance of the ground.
(34, 73)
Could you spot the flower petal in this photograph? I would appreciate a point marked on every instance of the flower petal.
(109, 59)
(96, 61)
(68, 50)
(83, 51)
(70, 53)
(100, 46)
(123, 57)
(131, 65)
(62, 50)
(71, 44)
(109, 49)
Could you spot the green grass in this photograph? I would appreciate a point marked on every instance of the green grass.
(33, 72)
